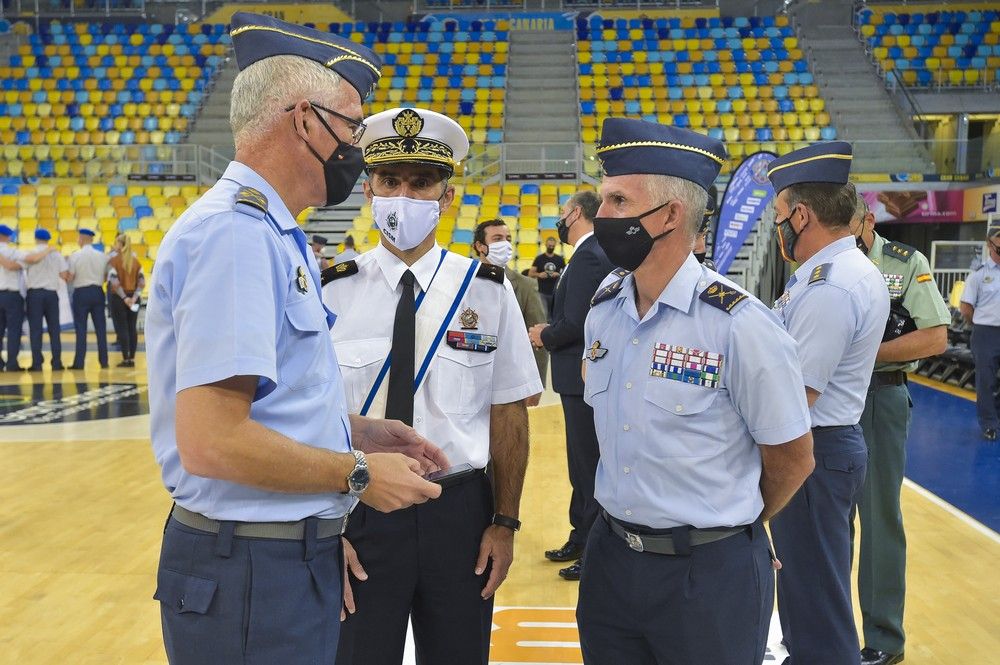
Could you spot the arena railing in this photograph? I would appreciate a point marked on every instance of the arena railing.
(953, 260)
(69, 9)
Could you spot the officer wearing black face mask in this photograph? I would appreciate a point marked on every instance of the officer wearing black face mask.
(700, 244)
(249, 422)
(701, 417)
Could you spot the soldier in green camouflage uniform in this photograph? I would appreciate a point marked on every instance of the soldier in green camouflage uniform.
(917, 328)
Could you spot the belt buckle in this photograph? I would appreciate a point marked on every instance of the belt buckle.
(634, 541)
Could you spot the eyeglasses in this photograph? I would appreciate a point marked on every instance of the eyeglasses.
(357, 128)
(993, 246)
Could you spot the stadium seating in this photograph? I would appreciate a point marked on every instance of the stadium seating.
(935, 48)
(530, 210)
(81, 85)
(144, 212)
(742, 80)
(456, 67)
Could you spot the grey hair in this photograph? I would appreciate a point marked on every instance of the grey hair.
(663, 188)
(263, 91)
(860, 208)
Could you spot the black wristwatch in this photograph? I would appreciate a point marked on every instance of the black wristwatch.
(509, 522)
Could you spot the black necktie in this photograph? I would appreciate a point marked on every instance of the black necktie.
(399, 401)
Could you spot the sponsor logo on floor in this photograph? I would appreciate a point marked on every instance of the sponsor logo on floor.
(38, 403)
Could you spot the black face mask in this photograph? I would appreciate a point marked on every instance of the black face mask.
(625, 240)
(342, 169)
(860, 242)
(700, 256)
(562, 229)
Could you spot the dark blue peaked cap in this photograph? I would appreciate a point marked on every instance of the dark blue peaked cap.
(819, 162)
(256, 37)
(638, 147)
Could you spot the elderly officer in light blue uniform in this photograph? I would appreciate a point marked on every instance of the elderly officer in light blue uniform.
(11, 301)
(835, 306)
(701, 418)
(980, 306)
(248, 415)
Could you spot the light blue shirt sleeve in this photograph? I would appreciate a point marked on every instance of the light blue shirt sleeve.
(824, 325)
(225, 301)
(970, 293)
(765, 381)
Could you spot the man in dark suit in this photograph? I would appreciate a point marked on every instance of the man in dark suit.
(563, 338)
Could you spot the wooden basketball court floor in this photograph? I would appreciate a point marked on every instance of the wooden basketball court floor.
(82, 509)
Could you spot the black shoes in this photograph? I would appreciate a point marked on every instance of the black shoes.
(876, 657)
(990, 434)
(573, 572)
(76, 366)
(34, 368)
(127, 363)
(568, 552)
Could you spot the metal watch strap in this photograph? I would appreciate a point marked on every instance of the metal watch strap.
(360, 462)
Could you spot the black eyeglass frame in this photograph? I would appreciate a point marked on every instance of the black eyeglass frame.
(358, 125)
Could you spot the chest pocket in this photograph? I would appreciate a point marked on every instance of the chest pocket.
(307, 358)
(682, 414)
(463, 380)
(360, 361)
(596, 393)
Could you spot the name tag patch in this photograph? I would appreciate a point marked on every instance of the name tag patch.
(679, 363)
(470, 341)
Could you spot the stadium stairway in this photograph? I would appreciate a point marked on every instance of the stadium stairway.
(855, 95)
(541, 104)
(211, 126)
(334, 223)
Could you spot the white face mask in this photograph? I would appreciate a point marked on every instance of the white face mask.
(499, 253)
(405, 222)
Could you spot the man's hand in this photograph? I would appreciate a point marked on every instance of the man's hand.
(352, 565)
(396, 483)
(535, 334)
(497, 545)
(372, 435)
(534, 400)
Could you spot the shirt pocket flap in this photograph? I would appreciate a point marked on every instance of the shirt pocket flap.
(845, 462)
(597, 380)
(184, 593)
(306, 315)
(680, 399)
(463, 357)
(357, 353)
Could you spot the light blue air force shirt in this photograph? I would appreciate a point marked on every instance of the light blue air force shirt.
(228, 299)
(982, 291)
(683, 397)
(835, 308)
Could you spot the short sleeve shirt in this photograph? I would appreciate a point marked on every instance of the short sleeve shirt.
(546, 263)
(982, 291)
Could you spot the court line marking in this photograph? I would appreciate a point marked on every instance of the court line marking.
(943, 387)
(953, 511)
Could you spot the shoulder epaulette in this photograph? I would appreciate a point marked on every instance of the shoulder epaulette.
(820, 273)
(898, 250)
(336, 271)
(491, 272)
(723, 297)
(612, 289)
(254, 203)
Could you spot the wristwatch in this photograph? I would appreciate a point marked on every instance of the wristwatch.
(358, 479)
(509, 522)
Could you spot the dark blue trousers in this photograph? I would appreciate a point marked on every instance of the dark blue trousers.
(89, 301)
(252, 601)
(44, 304)
(11, 320)
(812, 538)
(712, 607)
(986, 354)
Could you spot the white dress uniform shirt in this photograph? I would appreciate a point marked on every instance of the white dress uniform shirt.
(683, 397)
(10, 280)
(45, 273)
(982, 291)
(88, 266)
(452, 405)
(838, 320)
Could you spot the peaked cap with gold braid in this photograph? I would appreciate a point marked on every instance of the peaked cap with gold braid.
(413, 136)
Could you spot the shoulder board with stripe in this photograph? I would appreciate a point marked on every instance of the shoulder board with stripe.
(335, 272)
(251, 202)
(820, 273)
(612, 289)
(490, 272)
(722, 297)
(898, 250)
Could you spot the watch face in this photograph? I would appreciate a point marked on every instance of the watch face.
(359, 479)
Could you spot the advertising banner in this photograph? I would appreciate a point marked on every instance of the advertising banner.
(981, 201)
(917, 206)
(747, 195)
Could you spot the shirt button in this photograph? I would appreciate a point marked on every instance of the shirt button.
(627, 470)
(679, 408)
(418, 419)
(628, 386)
(635, 340)
(627, 427)
(628, 512)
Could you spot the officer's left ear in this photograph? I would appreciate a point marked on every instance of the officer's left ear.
(448, 197)
(300, 119)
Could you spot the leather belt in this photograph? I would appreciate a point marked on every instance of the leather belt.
(325, 528)
(665, 543)
(894, 378)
